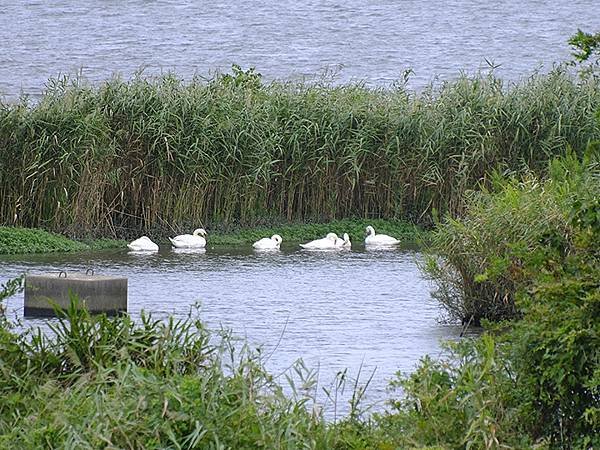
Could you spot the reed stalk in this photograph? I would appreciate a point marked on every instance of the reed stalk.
(146, 152)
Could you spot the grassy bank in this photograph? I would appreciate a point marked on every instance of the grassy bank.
(477, 261)
(295, 233)
(129, 156)
(25, 240)
(14, 240)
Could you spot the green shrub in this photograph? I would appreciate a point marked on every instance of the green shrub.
(533, 382)
(460, 401)
(476, 261)
(555, 349)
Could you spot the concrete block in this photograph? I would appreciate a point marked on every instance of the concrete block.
(98, 294)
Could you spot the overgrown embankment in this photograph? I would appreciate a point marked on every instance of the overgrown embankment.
(96, 381)
(142, 154)
(528, 251)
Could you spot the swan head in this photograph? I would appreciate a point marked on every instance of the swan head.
(370, 231)
(331, 236)
(200, 232)
(346, 237)
(277, 238)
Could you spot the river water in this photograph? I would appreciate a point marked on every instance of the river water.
(335, 310)
(374, 41)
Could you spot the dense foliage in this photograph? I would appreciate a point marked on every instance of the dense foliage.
(528, 250)
(157, 153)
(477, 261)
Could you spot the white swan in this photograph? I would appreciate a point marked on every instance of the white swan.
(381, 240)
(328, 242)
(343, 242)
(195, 240)
(271, 243)
(143, 244)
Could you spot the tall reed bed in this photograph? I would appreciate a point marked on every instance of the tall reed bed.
(148, 152)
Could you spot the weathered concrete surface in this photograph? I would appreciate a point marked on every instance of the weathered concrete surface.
(98, 294)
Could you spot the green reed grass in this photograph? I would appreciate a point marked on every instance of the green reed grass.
(148, 152)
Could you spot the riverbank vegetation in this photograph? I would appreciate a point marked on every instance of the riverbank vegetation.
(16, 240)
(527, 251)
(127, 157)
(514, 172)
(532, 382)
(477, 261)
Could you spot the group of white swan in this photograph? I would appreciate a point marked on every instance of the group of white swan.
(195, 240)
(329, 242)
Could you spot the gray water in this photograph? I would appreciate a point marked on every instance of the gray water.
(335, 310)
(374, 41)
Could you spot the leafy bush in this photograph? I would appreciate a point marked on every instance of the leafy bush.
(26, 240)
(533, 382)
(460, 401)
(476, 261)
(555, 349)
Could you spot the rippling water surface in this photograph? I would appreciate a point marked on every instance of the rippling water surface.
(335, 310)
(367, 40)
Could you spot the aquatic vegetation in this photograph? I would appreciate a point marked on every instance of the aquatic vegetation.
(97, 381)
(130, 156)
(16, 240)
(24, 240)
(535, 381)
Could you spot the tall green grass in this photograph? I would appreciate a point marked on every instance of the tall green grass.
(145, 153)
